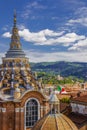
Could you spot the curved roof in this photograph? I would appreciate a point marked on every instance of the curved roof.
(55, 122)
(15, 68)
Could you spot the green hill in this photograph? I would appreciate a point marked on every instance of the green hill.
(65, 69)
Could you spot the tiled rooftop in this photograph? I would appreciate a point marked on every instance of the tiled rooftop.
(78, 119)
(81, 99)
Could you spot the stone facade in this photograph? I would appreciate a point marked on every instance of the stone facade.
(80, 108)
(13, 114)
(79, 104)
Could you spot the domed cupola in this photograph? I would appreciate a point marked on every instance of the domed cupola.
(54, 120)
(15, 71)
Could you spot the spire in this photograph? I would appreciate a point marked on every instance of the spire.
(15, 45)
(55, 104)
(15, 18)
(15, 39)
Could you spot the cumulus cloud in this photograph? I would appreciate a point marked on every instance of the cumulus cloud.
(80, 45)
(43, 37)
(49, 37)
(82, 21)
(69, 38)
(80, 17)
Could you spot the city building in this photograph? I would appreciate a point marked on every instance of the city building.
(22, 101)
(79, 104)
(54, 120)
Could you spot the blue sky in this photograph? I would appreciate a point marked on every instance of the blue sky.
(49, 30)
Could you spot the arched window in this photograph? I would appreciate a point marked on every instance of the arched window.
(32, 112)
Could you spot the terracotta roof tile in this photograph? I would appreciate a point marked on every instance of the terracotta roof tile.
(78, 119)
(80, 99)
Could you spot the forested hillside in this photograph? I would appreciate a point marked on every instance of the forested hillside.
(65, 69)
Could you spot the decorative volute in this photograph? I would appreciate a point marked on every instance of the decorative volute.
(17, 93)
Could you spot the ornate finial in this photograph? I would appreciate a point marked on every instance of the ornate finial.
(55, 103)
(15, 18)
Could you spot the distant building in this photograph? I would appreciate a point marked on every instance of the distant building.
(79, 109)
(59, 77)
(79, 104)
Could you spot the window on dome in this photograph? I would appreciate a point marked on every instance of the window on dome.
(31, 112)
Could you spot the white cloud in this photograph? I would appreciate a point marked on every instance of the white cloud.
(80, 45)
(21, 26)
(82, 21)
(31, 36)
(35, 5)
(44, 37)
(80, 17)
(30, 8)
(1, 55)
(35, 56)
(49, 37)
(70, 38)
(81, 12)
(7, 35)
(56, 56)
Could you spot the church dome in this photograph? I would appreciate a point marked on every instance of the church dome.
(15, 72)
(55, 122)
